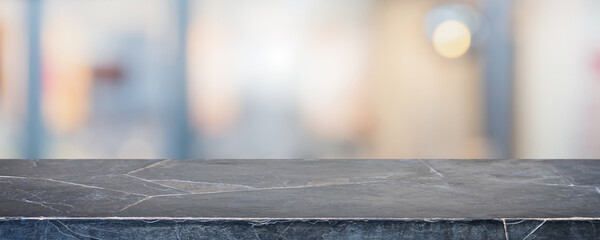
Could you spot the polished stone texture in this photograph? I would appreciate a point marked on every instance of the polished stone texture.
(306, 199)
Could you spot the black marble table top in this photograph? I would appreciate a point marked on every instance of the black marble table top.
(505, 191)
(369, 189)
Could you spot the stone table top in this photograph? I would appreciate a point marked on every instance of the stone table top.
(306, 188)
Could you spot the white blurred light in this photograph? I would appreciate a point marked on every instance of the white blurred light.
(451, 39)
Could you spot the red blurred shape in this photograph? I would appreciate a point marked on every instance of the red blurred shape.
(112, 73)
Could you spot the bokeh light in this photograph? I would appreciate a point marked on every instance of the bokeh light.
(451, 39)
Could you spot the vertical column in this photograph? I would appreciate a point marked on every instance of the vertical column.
(33, 127)
(179, 126)
(497, 77)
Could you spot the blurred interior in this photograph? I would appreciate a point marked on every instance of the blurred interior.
(299, 79)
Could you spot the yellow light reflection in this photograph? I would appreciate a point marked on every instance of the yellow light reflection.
(451, 39)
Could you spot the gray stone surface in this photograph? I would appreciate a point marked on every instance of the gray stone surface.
(310, 199)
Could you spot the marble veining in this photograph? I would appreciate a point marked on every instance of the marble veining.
(272, 199)
(301, 188)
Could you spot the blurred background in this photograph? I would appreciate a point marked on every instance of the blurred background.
(299, 79)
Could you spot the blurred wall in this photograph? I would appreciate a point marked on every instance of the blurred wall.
(423, 105)
(13, 77)
(557, 82)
